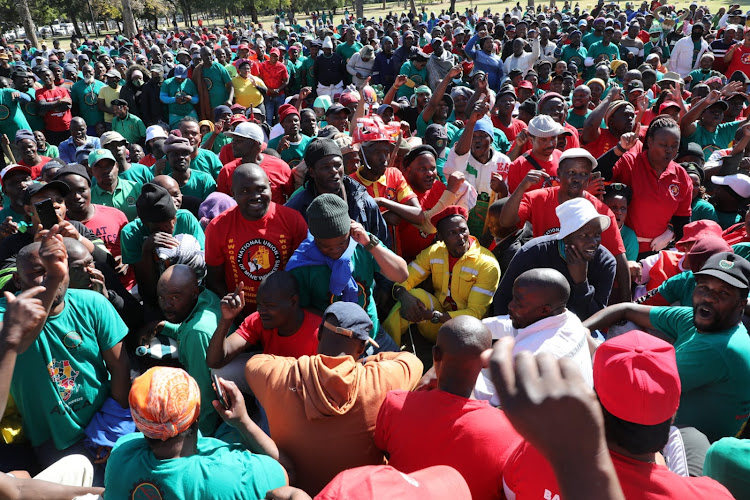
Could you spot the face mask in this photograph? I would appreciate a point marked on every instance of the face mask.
(138, 83)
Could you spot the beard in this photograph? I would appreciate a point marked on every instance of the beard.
(89, 79)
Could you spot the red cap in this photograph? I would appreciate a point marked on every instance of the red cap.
(286, 110)
(13, 168)
(667, 104)
(243, 46)
(449, 211)
(348, 98)
(525, 84)
(275, 50)
(439, 482)
(696, 230)
(636, 378)
(237, 119)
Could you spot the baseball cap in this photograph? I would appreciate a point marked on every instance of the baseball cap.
(13, 168)
(180, 71)
(525, 84)
(154, 132)
(353, 321)
(635, 85)
(578, 153)
(111, 136)
(98, 155)
(729, 267)
(337, 107)
(636, 378)
(383, 481)
(544, 126)
(247, 130)
(113, 73)
(73, 169)
(34, 188)
(666, 105)
(449, 211)
(739, 183)
(576, 213)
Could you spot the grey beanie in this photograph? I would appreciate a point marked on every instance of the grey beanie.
(328, 217)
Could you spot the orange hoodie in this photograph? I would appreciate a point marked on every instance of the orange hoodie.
(322, 409)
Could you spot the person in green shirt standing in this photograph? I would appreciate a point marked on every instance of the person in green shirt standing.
(22, 80)
(294, 68)
(11, 113)
(191, 316)
(215, 82)
(350, 45)
(574, 52)
(127, 124)
(191, 182)
(156, 226)
(596, 35)
(416, 74)
(179, 94)
(600, 51)
(109, 189)
(85, 94)
(307, 70)
(711, 344)
(291, 144)
(118, 146)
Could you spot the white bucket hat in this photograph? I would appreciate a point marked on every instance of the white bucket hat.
(576, 213)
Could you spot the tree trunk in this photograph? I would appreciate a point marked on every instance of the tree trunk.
(453, 6)
(413, 7)
(359, 8)
(128, 20)
(28, 23)
(74, 20)
(253, 12)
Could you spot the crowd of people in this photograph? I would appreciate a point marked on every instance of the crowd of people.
(393, 256)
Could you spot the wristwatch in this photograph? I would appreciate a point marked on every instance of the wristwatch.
(374, 241)
(436, 315)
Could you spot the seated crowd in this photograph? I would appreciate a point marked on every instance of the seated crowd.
(372, 258)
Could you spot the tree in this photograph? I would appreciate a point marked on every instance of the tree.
(128, 20)
(28, 23)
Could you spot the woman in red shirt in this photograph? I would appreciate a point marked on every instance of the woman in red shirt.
(276, 77)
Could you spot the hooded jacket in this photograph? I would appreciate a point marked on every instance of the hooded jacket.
(322, 409)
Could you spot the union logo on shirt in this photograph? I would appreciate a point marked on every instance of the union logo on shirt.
(390, 193)
(64, 377)
(674, 189)
(146, 491)
(258, 258)
(4, 112)
(208, 83)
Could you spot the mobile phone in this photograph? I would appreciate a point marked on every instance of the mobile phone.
(46, 211)
(220, 394)
(596, 175)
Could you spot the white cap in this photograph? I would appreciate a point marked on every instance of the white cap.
(576, 213)
(739, 183)
(327, 43)
(155, 131)
(544, 126)
(578, 153)
(248, 130)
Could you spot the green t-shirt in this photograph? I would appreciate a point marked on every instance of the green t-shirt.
(137, 173)
(9, 212)
(205, 161)
(314, 280)
(728, 462)
(11, 114)
(307, 72)
(219, 471)
(703, 210)
(51, 151)
(193, 336)
(742, 249)
(346, 51)
(31, 111)
(591, 38)
(86, 97)
(630, 240)
(122, 199)
(216, 78)
(295, 153)
(713, 141)
(454, 133)
(61, 381)
(419, 77)
(131, 128)
(577, 120)
(598, 48)
(728, 219)
(576, 55)
(171, 87)
(200, 185)
(296, 76)
(221, 141)
(714, 372)
(679, 289)
(134, 233)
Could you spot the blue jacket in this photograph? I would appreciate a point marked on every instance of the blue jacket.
(384, 71)
(490, 64)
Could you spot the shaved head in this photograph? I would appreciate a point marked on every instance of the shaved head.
(179, 275)
(280, 281)
(457, 354)
(248, 170)
(550, 284)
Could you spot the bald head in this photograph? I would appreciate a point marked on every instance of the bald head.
(179, 275)
(177, 292)
(166, 182)
(280, 281)
(550, 284)
(76, 250)
(457, 354)
(248, 171)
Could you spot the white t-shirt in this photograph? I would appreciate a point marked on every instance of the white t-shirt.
(477, 174)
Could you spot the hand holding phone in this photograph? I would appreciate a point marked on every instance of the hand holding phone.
(220, 394)
(46, 212)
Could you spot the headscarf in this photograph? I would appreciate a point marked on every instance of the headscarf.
(207, 123)
(164, 402)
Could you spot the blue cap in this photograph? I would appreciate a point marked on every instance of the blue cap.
(180, 71)
(387, 39)
(220, 110)
(353, 321)
(485, 125)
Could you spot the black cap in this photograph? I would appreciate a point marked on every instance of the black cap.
(529, 106)
(155, 204)
(514, 72)
(119, 102)
(691, 149)
(418, 151)
(336, 107)
(73, 169)
(635, 85)
(729, 267)
(353, 321)
(34, 188)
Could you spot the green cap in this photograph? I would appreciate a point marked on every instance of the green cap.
(100, 154)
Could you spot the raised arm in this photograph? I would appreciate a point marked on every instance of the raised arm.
(222, 349)
(593, 122)
(626, 311)
(478, 112)
(437, 96)
(689, 124)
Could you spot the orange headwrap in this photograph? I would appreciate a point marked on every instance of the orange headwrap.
(164, 402)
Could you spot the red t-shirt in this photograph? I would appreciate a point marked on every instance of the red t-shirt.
(512, 130)
(539, 206)
(412, 240)
(521, 166)
(56, 121)
(36, 170)
(279, 174)
(422, 429)
(273, 75)
(655, 201)
(226, 154)
(251, 250)
(736, 234)
(106, 224)
(148, 160)
(605, 142)
(304, 342)
(740, 60)
(529, 476)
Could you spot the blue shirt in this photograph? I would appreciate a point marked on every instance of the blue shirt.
(67, 148)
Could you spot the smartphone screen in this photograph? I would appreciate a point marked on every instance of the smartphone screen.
(46, 211)
(220, 394)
